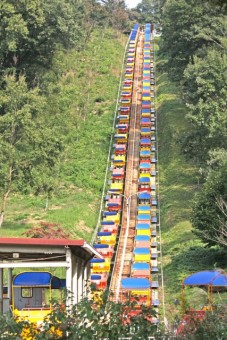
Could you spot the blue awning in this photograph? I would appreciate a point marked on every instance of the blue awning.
(135, 283)
(107, 222)
(144, 180)
(142, 238)
(145, 120)
(144, 195)
(96, 246)
(206, 278)
(95, 277)
(39, 279)
(104, 233)
(142, 226)
(141, 251)
(145, 165)
(145, 129)
(144, 207)
(144, 217)
(145, 140)
(94, 260)
(110, 213)
(122, 117)
(140, 266)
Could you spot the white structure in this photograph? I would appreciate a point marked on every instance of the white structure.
(34, 253)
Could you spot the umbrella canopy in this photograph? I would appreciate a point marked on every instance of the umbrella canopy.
(215, 278)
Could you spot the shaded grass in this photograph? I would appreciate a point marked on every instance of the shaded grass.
(183, 252)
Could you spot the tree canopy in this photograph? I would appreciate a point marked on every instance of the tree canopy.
(27, 142)
(195, 47)
(187, 27)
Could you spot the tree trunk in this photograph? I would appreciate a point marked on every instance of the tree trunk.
(6, 194)
(4, 199)
(1, 218)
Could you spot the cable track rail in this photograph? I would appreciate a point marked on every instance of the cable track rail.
(128, 236)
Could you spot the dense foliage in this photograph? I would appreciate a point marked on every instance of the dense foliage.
(111, 321)
(40, 120)
(194, 41)
(86, 320)
(28, 146)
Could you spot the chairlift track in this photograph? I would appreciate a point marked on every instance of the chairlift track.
(127, 237)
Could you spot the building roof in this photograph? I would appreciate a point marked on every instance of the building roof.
(42, 249)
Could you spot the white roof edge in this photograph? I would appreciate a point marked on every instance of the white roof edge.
(92, 250)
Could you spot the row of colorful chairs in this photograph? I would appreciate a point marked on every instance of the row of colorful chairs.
(107, 236)
(141, 285)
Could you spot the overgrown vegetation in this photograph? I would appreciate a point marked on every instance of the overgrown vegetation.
(80, 109)
(195, 48)
(183, 252)
(60, 67)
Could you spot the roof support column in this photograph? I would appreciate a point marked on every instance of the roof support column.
(80, 279)
(86, 276)
(10, 275)
(1, 290)
(74, 279)
(69, 286)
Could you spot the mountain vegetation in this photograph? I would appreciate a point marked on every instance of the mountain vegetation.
(59, 69)
(194, 45)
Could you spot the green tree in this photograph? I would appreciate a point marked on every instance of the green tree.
(116, 13)
(187, 26)
(209, 215)
(205, 93)
(27, 142)
(150, 11)
(31, 30)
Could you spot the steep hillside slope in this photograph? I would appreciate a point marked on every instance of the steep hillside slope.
(81, 88)
(183, 252)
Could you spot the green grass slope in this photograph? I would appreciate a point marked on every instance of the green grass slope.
(81, 89)
(183, 252)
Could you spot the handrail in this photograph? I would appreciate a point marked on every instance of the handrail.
(159, 217)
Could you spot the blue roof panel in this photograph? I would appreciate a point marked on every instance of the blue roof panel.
(140, 266)
(145, 217)
(142, 226)
(28, 279)
(141, 251)
(144, 195)
(135, 283)
(95, 277)
(144, 207)
(142, 238)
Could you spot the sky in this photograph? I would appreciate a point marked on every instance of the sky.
(132, 3)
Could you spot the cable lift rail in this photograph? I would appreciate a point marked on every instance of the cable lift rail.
(126, 233)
